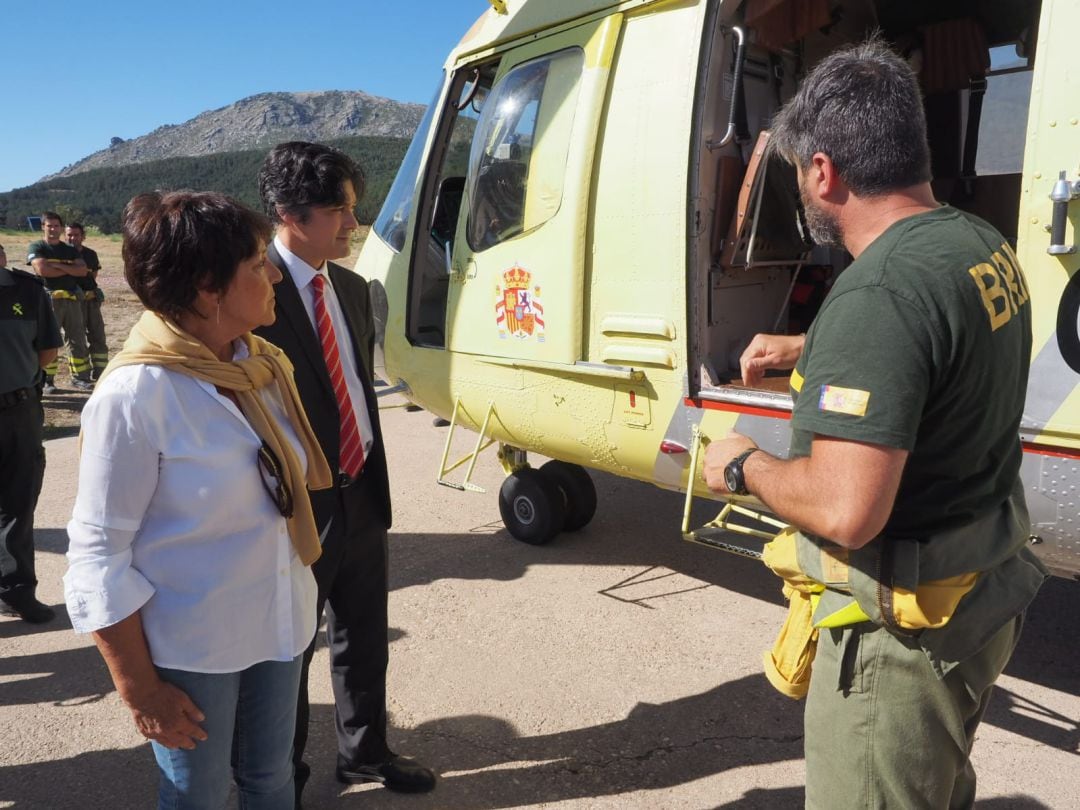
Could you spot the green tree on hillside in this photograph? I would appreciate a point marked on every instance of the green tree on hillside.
(97, 197)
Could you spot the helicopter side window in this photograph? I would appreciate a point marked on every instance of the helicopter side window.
(394, 216)
(519, 150)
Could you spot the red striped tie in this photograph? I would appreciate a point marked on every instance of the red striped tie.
(352, 447)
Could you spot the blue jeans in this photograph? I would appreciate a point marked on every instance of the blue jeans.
(256, 708)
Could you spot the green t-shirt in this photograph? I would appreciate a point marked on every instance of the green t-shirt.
(89, 282)
(61, 252)
(924, 344)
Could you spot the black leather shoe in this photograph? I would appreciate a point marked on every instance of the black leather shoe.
(396, 773)
(27, 608)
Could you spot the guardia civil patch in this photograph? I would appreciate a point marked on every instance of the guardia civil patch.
(851, 401)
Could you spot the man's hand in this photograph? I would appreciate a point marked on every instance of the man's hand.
(768, 352)
(719, 454)
(166, 715)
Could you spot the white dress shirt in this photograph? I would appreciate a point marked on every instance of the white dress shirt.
(302, 274)
(172, 520)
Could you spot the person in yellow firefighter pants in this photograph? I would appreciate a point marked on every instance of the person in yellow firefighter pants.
(92, 298)
(61, 268)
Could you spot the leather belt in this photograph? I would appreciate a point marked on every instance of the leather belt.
(13, 398)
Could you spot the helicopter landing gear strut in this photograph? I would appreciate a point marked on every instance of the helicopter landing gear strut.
(537, 504)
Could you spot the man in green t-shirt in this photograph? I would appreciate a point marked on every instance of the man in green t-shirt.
(905, 455)
(92, 296)
(61, 268)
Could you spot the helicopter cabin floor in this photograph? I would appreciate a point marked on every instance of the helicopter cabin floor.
(780, 384)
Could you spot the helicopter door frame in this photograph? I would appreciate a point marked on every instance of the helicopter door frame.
(516, 286)
(439, 206)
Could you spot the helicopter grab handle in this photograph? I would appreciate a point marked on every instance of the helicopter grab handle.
(465, 102)
(736, 88)
(1063, 193)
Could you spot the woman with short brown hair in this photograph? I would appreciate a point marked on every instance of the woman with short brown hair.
(192, 535)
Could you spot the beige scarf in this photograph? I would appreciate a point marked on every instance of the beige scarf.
(156, 340)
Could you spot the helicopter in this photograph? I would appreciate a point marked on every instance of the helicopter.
(588, 229)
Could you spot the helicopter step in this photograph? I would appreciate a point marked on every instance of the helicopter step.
(718, 531)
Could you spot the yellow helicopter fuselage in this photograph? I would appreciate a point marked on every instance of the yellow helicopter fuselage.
(587, 229)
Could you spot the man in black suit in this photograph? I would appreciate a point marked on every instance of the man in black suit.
(324, 324)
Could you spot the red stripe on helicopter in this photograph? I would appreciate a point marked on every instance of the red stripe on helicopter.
(709, 405)
(1051, 450)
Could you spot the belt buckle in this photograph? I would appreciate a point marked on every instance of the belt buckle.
(344, 480)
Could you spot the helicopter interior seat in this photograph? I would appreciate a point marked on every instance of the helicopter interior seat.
(434, 284)
(498, 211)
(433, 295)
(757, 244)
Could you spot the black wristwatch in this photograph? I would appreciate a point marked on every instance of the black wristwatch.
(734, 479)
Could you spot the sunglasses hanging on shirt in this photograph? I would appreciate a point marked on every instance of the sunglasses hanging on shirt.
(273, 479)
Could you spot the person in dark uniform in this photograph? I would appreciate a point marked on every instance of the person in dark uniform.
(61, 268)
(29, 338)
(92, 296)
(324, 325)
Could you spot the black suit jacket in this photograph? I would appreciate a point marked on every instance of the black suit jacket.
(295, 334)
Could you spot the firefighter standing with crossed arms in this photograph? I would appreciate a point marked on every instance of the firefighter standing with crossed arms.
(61, 268)
(92, 297)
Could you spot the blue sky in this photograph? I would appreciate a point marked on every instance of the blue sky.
(84, 72)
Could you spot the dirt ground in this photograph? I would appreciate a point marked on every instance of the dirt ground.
(120, 311)
(617, 668)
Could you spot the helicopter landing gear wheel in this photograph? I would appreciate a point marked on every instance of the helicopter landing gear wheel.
(577, 490)
(531, 506)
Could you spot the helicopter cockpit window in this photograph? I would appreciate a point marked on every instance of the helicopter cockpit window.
(394, 216)
(518, 158)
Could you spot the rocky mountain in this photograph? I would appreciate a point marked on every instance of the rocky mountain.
(260, 121)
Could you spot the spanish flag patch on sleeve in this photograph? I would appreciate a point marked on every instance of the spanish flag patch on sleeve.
(851, 401)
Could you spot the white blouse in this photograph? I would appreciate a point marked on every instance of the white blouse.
(172, 519)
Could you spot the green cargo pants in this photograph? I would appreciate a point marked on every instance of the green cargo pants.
(883, 731)
(95, 334)
(69, 318)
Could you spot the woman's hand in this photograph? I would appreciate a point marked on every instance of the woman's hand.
(767, 352)
(162, 712)
(165, 714)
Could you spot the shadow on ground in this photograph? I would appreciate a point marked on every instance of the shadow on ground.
(486, 764)
(117, 779)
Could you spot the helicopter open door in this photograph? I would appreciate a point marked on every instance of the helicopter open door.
(529, 167)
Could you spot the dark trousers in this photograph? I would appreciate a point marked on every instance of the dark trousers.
(352, 579)
(22, 465)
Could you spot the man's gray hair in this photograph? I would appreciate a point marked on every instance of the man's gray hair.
(862, 107)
